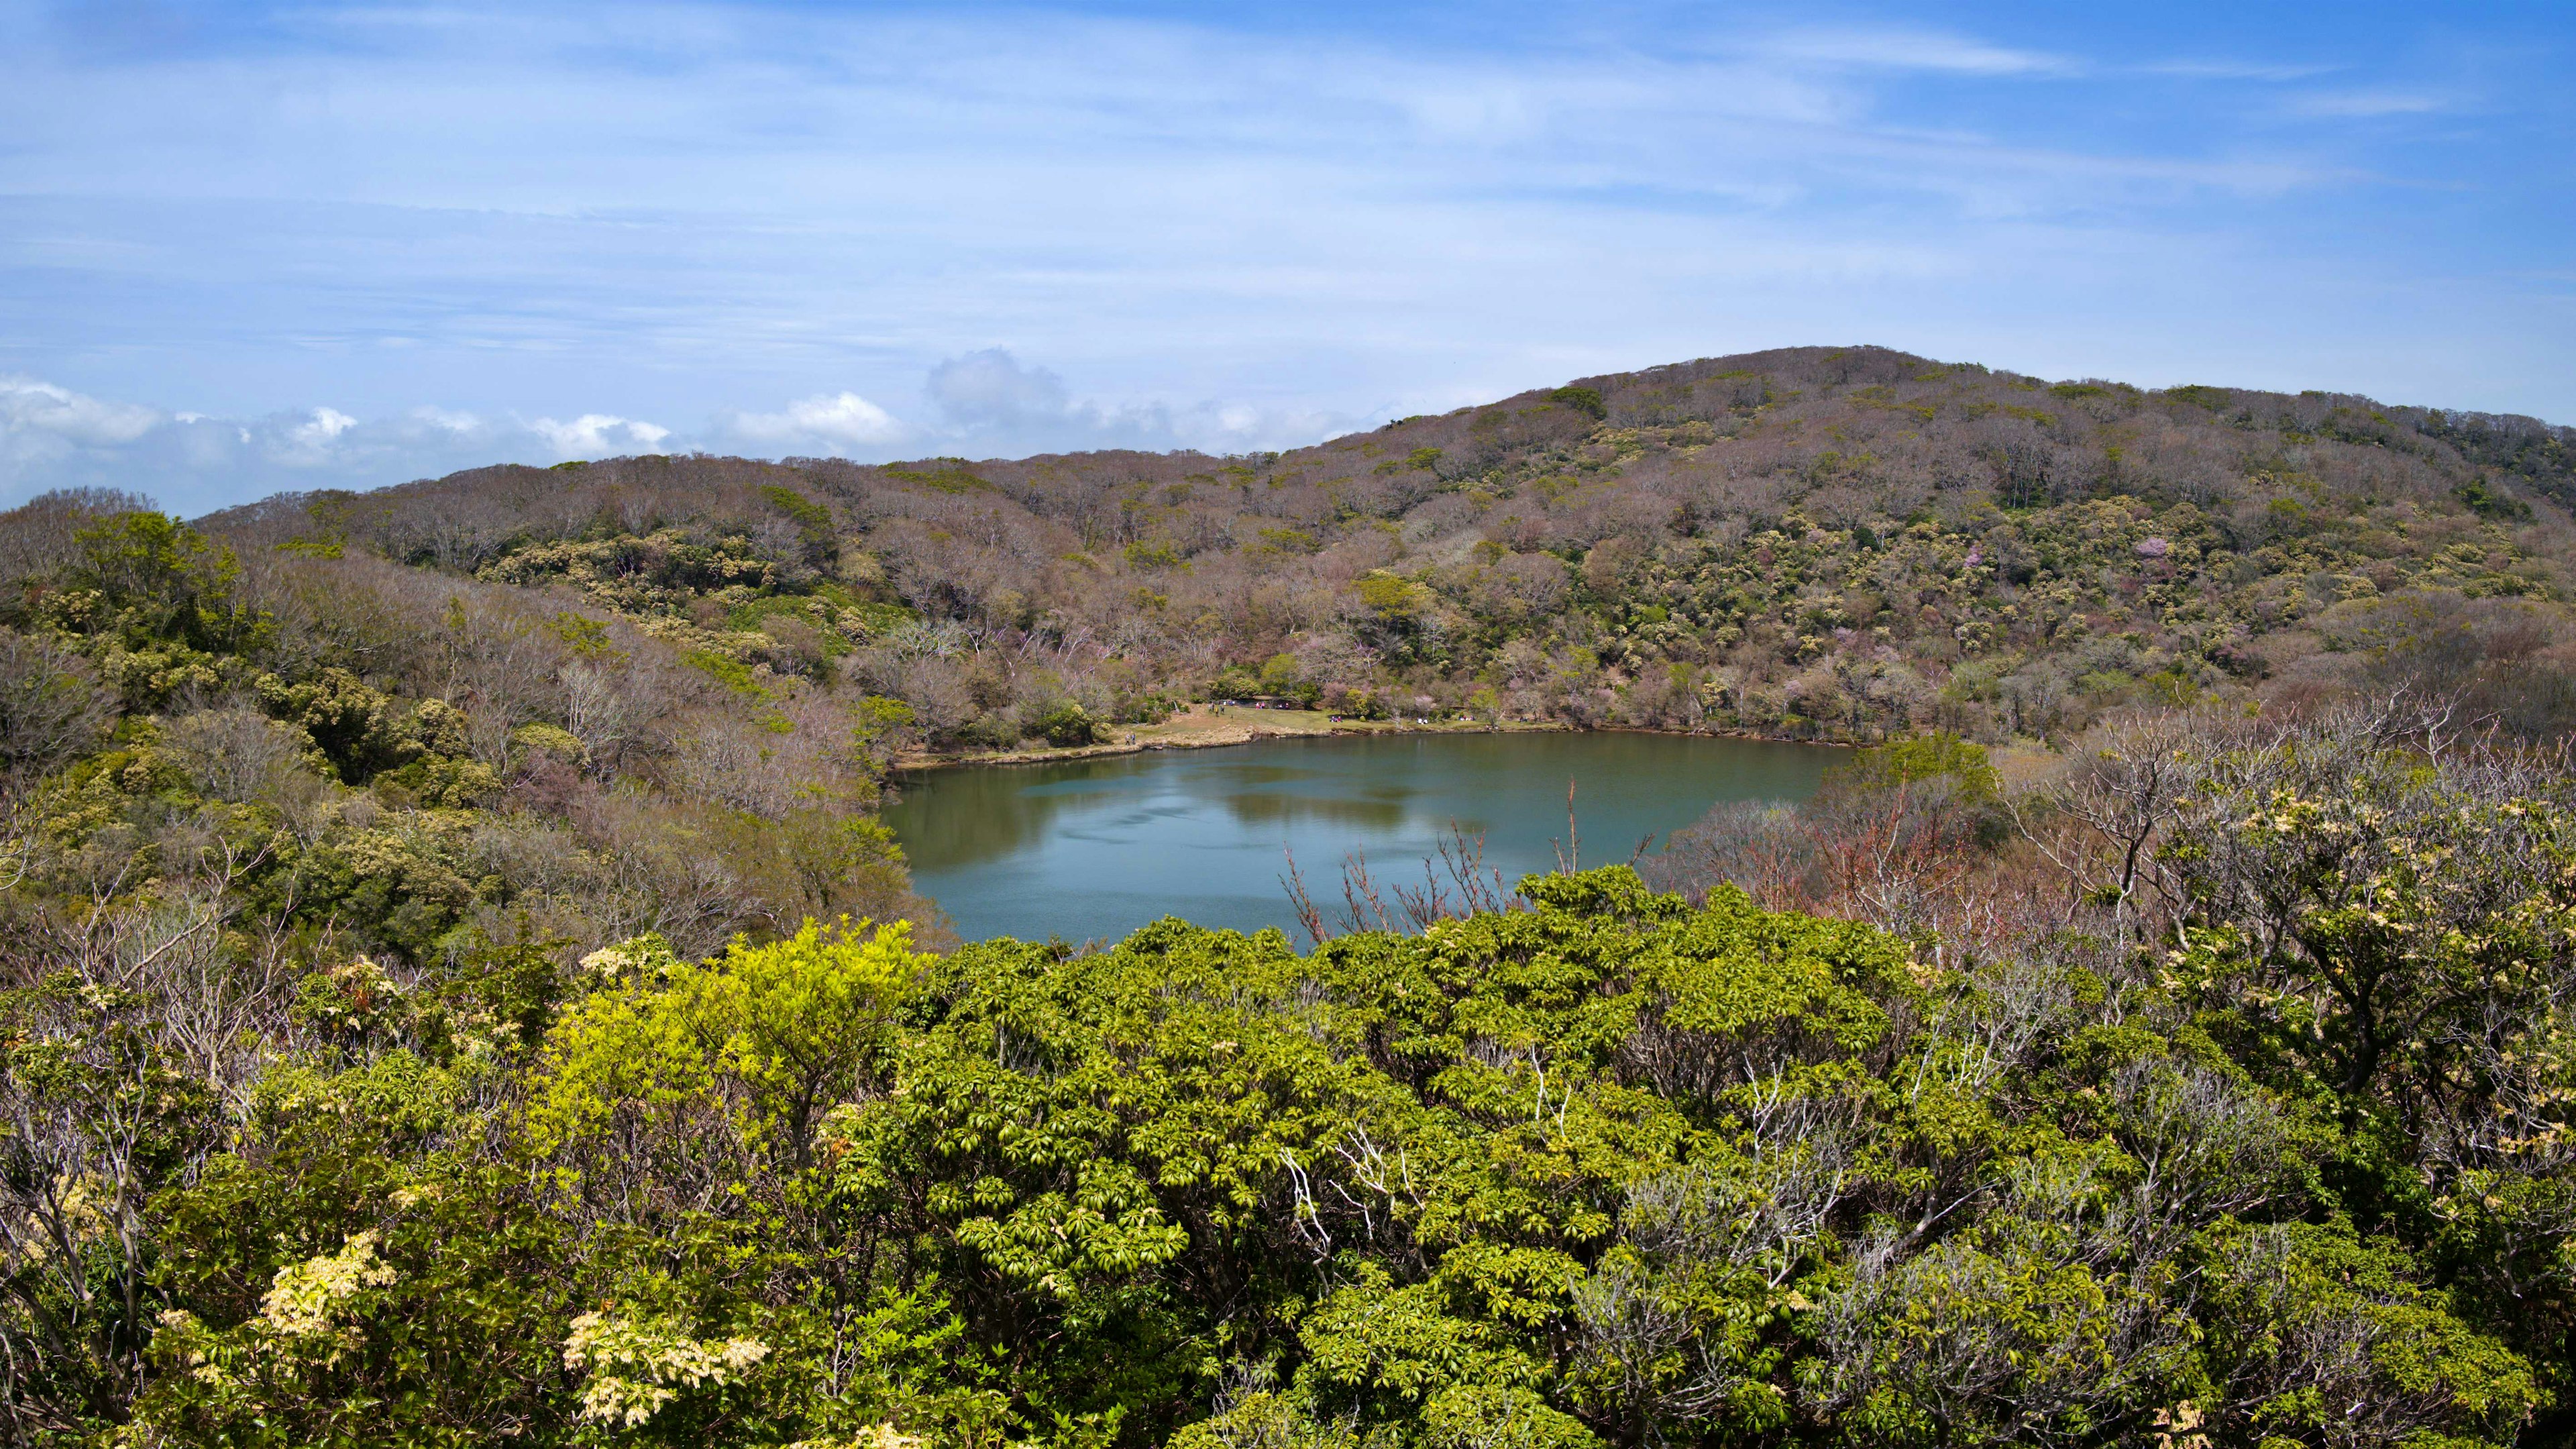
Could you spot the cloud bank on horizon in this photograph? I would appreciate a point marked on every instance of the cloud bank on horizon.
(986, 402)
(248, 246)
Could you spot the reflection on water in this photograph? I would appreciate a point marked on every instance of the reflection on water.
(1095, 848)
(1375, 811)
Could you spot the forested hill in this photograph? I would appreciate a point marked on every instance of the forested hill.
(1813, 542)
(454, 988)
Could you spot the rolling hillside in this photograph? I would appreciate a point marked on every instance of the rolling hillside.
(1809, 543)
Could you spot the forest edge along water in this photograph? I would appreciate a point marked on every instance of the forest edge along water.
(1092, 848)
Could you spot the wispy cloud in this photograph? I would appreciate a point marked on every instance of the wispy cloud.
(991, 388)
(1906, 48)
(2366, 104)
(758, 227)
(2234, 70)
(989, 401)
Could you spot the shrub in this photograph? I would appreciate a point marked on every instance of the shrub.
(1064, 723)
(1584, 400)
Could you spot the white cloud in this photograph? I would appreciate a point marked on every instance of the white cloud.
(1910, 49)
(52, 437)
(837, 421)
(991, 402)
(1239, 427)
(2365, 105)
(28, 406)
(327, 423)
(597, 435)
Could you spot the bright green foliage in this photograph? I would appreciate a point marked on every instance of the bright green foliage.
(1283, 678)
(274, 942)
(813, 522)
(1065, 722)
(1939, 755)
(1609, 1169)
(588, 638)
(2488, 500)
(777, 1031)
(361, 730)
(953, 478)
(1387, 595)
(642, 574)
(732, 673)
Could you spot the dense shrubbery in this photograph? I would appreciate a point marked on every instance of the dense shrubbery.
(267, 814)
(2264, 1141)
(444, 1009)
(389, 761)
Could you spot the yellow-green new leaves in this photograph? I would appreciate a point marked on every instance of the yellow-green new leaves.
(1734, 972)
(761, 1038)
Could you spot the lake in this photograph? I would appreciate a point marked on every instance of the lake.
(1093, 848)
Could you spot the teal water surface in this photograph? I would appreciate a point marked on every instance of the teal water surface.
(1092, 849)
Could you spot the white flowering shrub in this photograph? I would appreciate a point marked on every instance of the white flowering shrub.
(637, 1367)
(643, 960)
(306, 1301)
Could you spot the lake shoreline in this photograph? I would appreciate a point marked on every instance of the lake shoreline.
(1199, 729)
(1097, 846)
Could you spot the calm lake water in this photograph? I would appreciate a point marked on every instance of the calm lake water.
(1095, 848)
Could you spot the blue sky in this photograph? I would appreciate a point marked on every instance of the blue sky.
(249, 247)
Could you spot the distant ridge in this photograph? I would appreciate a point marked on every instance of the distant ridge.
(1811, 542)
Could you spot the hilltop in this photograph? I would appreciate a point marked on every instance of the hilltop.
(1811, 543)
